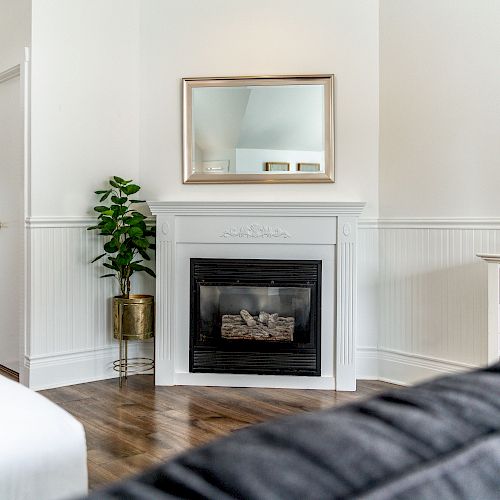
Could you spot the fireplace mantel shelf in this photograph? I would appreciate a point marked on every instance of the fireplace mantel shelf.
(296, 209)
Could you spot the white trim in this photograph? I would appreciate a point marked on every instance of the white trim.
(44, 222)
(368, 223)
(366, 363)
(274, 209)
(65, 221)
(24, 340)
(402, 368)
(10, 73)
(301, 209)
(248, 380)
(62, 369)
(438, 223)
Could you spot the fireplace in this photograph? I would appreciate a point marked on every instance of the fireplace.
(255, 316)
(303, 232)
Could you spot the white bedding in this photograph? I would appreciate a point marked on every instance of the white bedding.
(43, 454)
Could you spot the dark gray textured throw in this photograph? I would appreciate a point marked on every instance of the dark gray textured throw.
(438, 440)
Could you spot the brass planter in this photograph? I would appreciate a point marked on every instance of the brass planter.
(133, 318)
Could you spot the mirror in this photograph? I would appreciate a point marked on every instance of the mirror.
(258, 129)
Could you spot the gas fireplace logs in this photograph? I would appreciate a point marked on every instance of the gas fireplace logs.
(247, 318)
(265, 326)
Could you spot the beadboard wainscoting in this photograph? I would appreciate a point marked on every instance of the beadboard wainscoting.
(432, 296)
(422, 300)
(69, 340)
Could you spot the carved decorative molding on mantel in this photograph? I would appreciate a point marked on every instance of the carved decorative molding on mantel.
(255, 231)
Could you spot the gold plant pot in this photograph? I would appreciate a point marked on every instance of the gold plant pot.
(133, 318)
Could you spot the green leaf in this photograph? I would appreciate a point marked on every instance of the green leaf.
(134, 231)
(141, 243)
(115, 185)
(136, 218)
(136, 266)
(118, 210)
(111, 246)
(137, 201)
(119, 200)
(101, 191)
(92, 227)
(139, 267)
(120, 180)
(150, 272)
(130, 189)
(105, 195)
(110, 226)
(101, 208)
(106, 219)
(99, 257)
(121, 231)
(107, 276)
(124, 260)
(111, 266)
(144, 254)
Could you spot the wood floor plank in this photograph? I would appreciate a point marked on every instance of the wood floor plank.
(7, 372)
(141, 425)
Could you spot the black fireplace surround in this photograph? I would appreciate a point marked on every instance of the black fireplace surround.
(221, 341)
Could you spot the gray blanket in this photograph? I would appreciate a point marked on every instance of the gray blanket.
(438, 440)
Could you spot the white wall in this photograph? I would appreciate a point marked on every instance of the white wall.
(219, 37)
(85, 100)
(15, 31)
(439, 158)
(86, 67)
(439, 108)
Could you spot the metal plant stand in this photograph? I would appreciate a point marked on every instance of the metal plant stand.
(133, 319)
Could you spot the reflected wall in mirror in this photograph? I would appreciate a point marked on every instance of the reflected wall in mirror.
(258, 129)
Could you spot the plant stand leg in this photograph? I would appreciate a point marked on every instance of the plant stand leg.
(120, 365)
(126, 359)
(120, 341)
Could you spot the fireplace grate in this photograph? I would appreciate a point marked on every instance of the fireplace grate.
(286, 363)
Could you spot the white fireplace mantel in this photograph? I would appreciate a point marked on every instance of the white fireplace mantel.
(298, 230)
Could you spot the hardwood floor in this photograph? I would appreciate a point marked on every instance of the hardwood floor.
(141, 425)
(7, 372)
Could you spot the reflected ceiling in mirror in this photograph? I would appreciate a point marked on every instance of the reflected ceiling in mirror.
(258, 129)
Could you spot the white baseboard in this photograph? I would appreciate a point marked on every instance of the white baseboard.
(366, 363)
(59, 370)
(402, 368)
(243, 380)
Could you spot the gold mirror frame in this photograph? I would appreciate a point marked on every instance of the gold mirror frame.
(188, 84)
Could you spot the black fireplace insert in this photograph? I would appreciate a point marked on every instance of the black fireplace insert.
(255, 316)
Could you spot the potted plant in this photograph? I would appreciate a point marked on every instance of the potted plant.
(129, 241)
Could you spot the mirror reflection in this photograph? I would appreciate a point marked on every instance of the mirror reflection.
(258, 129)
